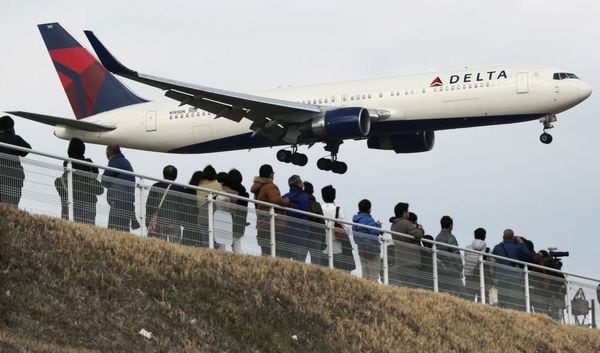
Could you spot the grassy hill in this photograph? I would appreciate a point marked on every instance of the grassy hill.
(72, 288)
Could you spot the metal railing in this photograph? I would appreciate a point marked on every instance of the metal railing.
(196, 216)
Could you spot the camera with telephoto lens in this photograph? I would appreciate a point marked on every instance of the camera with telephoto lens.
(553, 259)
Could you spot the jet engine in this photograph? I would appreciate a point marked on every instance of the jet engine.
(421, 141)
(340, 123)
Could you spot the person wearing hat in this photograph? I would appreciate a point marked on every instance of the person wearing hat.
(265, 190)
(11, 170)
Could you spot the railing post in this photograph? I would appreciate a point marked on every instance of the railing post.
(435, 268)
(329, 240)
(481, 280)
(70, 190)
(142, 206)
(211, 220)
(386, 268)
(527, 299)
(272, 230)
(569, 309)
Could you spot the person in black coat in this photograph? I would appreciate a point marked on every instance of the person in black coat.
(191, 228)
(164, 217)
(86, 186)
(11, 170)
(239, 213)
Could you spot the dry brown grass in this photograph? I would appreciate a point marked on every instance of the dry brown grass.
(72, 288)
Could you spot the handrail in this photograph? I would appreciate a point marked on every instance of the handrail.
(287, 209)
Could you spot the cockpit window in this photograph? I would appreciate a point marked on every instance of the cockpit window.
(563, 75)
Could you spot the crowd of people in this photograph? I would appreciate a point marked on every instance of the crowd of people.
(181, 214)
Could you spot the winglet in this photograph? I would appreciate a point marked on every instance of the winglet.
(108, 60)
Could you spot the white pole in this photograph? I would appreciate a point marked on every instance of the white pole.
(386, 272)
(70, 190)
(211, 220)
(481, 280)
(329, 241)
(569, 319)
(142, 206)
(272, 230)
(435, 268)
(527, 299)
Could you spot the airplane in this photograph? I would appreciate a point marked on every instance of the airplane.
(396, 113)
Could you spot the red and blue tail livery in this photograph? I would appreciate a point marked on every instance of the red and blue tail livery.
(90, 88)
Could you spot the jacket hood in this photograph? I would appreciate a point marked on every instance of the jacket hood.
(259, 183)
(478, 245)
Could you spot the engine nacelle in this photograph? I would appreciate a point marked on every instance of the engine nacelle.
(421, 141)
(340, 123)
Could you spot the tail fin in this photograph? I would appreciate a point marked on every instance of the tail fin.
(90, 88)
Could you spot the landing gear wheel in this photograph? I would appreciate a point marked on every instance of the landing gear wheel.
(546, 138)
(324, 164)
(284, 156)
(299, 159)
(339, 167)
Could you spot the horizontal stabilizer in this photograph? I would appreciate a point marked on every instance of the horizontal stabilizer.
(70, 123)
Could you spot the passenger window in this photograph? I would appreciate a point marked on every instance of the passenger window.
(452, 88)
(320, 101)
(351, 98)
(380, 95)
(406, 93)
(423, 90)
(369, 96)
(470, 86)
(363, 96)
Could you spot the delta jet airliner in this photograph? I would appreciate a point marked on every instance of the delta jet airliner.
(397, 113)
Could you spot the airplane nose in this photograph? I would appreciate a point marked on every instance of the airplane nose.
(584, 90)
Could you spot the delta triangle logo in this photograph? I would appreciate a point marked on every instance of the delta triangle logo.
(436, 82)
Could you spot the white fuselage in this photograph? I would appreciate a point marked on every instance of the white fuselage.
(514, 93)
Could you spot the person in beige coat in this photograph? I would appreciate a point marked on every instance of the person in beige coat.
(404, 257)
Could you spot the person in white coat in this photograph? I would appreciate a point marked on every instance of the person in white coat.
(343, 258)
(472, 264)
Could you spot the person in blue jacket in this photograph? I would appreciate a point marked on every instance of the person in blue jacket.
(367, 241)
(120, 191)
(509, 276)
(297, 232)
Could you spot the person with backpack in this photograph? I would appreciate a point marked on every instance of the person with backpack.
(404, 257)
(296, 238)
(316, 231)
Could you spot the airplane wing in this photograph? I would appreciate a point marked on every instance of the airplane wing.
(56, 121)
(266, 113)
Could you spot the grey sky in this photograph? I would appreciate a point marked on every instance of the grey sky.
(495, 177)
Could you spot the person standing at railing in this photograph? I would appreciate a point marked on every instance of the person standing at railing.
(343, 258)
(368, 241)
(297, 230)
(316, 232)
(120, 191)
(472, 267)
(86, 186)
(404, 257)
(11, 170)
(509, 277)
(450, 266)
(164, 215)
(265, 190)
(191, 226)
(207, 181)
(239, 212)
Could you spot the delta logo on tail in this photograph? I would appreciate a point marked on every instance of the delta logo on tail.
(436, 82)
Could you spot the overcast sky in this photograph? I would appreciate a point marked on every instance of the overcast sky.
(491, 177)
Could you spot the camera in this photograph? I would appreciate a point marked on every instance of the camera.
(552, 259)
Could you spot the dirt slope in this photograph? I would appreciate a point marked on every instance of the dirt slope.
(72, 288)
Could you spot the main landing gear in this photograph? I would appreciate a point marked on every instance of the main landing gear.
(548, 121)
(300, 159)
(293, 157)
(332, 164)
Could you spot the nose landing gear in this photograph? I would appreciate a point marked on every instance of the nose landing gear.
(548, 121)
